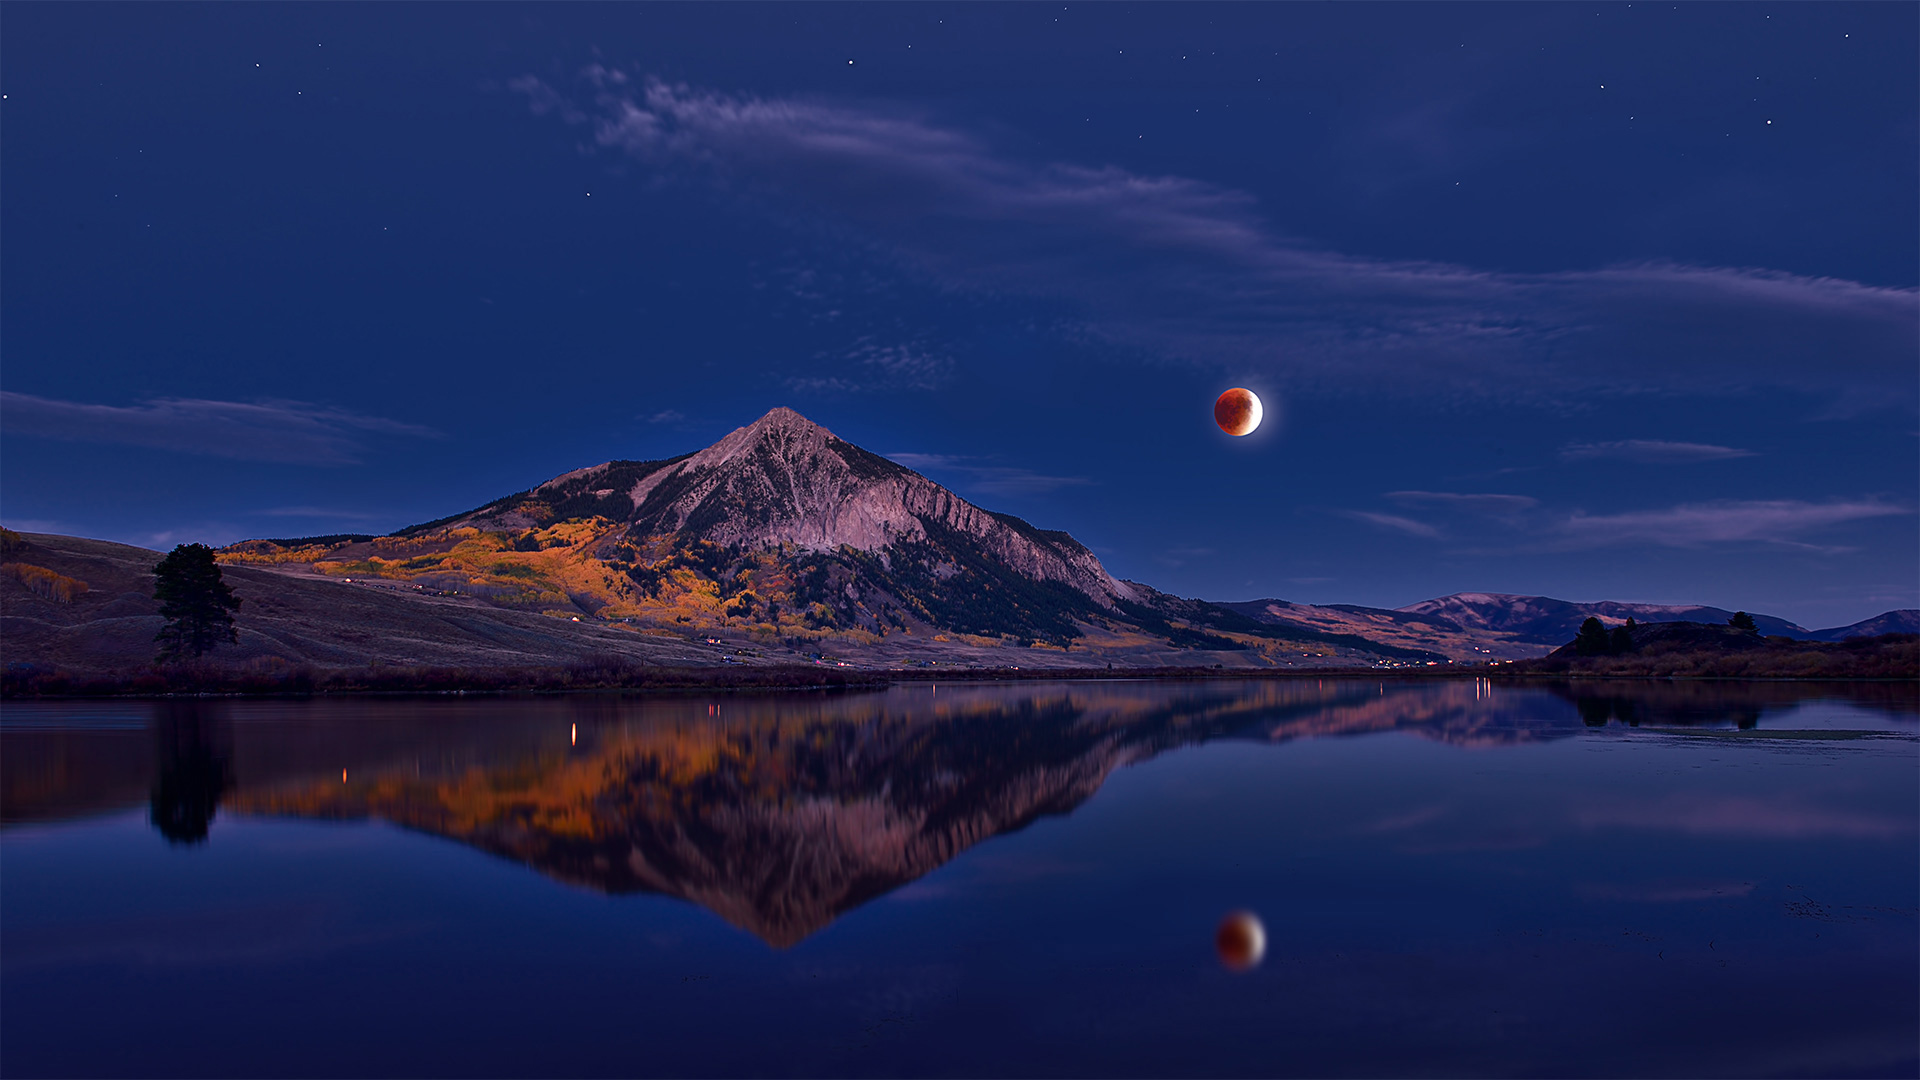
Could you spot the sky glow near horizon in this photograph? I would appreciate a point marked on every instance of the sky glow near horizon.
(1597, 302)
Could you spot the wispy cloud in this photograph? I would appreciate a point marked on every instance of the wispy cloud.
(1790, 523)
(987, 478)
(909, 365)
(1482, 503)
(543, 99)
(666, 416)
(1651, 452)
(881, 365)
(823, 385)
(1393, 523)
(286, 431)
(1777, 521)
(1182, 268)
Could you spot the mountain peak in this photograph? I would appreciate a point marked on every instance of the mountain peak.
(780, 416)
(785, 435)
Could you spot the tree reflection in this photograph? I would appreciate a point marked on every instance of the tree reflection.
(1703, 703)
(1594, 712)
(192, 771)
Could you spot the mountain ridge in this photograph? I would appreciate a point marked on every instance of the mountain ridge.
(1504, 626)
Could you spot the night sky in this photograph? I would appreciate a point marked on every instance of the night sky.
(1606, 301)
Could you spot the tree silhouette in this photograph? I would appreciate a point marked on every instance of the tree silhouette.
(1592, 640)
(1742, 621)
(1594, 712)
(197, 606)
(1620, 640)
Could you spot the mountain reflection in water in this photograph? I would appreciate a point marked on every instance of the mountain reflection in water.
(777, 812)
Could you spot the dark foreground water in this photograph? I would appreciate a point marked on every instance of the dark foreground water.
(1455, 879)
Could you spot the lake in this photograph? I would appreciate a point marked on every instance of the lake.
(1454, 878)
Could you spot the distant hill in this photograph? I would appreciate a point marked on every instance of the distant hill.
(1439, 636)
(1500, 626)
(1902, 621)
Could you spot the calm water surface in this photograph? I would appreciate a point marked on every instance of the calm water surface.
(1455, 878)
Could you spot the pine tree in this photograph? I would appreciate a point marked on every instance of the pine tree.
(1621, 639)
(1592, 640)
(1742, 621)
(197, 606)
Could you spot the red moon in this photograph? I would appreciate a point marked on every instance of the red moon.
(1237, 412)
(1241, 941)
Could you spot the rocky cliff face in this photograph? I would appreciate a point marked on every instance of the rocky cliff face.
(786, 481)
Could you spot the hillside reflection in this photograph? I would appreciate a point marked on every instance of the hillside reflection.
(778, 812)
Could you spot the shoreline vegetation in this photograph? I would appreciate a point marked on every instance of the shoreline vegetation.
(1705, 651)
(1892, 658)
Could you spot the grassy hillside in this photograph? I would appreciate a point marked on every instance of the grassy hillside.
(942, 589)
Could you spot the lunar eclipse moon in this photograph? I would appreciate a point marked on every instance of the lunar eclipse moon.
(1237, 411)
(1241, 941)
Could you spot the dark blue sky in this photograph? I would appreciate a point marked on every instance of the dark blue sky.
(1598, 301)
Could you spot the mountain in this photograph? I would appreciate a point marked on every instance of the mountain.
(1543, 620)
(788, 538)
(1498, 626)
(871, 540)
(1399, 629)
(1901, 621)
